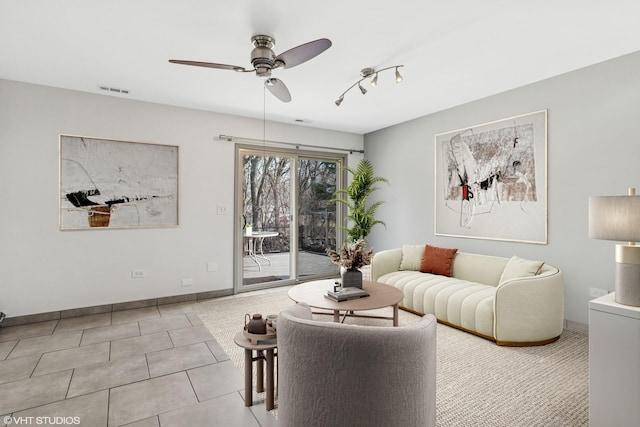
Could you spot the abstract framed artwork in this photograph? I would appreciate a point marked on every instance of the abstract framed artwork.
(491, 180)
(107, 183)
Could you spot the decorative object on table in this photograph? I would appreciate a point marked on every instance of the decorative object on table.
(618, 218)
(491, 180)
(248, 230)
(255, 324)
(350, 258)
(256, 329)
(113, 184)
(272, 320)
(345, 294)
(362, 186)
(351, 278)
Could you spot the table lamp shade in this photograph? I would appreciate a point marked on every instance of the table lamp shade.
(615, 218)
(618, 218)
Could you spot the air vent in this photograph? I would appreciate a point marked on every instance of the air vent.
(113, 90)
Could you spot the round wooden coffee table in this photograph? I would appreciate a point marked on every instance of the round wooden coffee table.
(380, 295)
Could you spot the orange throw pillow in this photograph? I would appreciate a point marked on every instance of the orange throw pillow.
(437, 260)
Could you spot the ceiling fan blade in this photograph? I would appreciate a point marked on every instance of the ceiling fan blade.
(303, 53)
(208, 65)
(278, 89)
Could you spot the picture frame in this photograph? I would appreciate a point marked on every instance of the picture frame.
(491, 180)
(108, 183)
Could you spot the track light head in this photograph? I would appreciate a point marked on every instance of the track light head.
(339, 100)
(399, 78)
(363, 90)
(374, 81)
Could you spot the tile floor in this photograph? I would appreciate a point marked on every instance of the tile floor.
(148, 367)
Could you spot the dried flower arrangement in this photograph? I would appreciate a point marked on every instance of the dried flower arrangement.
(351, 255)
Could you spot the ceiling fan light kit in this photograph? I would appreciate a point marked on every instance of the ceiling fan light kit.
(366, 73)
(264, 60)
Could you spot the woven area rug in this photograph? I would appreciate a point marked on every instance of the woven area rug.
(478, 382)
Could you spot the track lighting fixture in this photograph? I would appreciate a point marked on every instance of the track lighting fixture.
(374, 80)
(366, 73)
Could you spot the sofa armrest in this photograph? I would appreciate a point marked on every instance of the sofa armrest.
(530, 309)
(385, 262)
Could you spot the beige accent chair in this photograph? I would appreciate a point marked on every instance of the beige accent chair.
(333, 374)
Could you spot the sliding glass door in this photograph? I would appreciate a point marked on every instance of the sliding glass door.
(286, 217)
(316, 219)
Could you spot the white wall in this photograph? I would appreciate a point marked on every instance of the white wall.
(593, 149)
(43, 269)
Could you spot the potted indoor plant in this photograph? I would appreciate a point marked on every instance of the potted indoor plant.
(363, 183)
(351, 257)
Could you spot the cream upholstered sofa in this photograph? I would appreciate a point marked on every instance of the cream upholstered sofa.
(333, 374)
(511, 301)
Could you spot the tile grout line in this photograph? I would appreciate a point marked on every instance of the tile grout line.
(36, 366)
(12, 348)
(192, 388)
(108, 404)
(81, 337)
(146, 355)
(73, 371)
(210, 351)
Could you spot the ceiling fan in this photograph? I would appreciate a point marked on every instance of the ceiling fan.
(264, 60)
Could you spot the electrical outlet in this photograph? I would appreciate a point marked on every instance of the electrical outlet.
(596, 293)
(212, 266)
(222, 209)
(187, 282)
(137, 274)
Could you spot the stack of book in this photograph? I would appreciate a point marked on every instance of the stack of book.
(345, 294)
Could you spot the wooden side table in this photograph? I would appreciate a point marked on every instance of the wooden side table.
(264, 352)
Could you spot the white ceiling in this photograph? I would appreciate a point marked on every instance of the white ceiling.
(453, 51)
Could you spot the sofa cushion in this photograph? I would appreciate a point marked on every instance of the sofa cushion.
(519, 267)
(437, 260)
(459, 302)
(411, 257)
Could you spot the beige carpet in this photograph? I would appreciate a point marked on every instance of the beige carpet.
(478, 382)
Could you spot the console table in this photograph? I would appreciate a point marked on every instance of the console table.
(614, 363)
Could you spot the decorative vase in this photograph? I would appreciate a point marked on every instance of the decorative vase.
(248, 230)
(351, 278)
